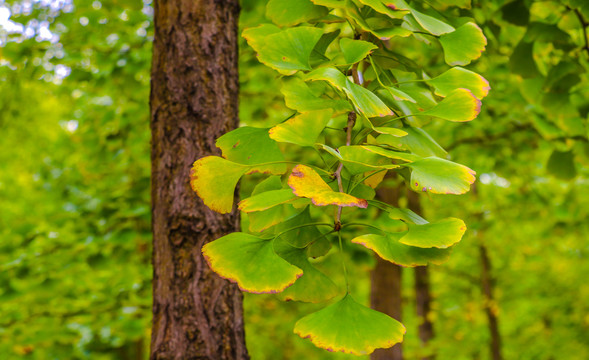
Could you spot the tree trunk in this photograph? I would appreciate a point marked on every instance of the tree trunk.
(490, 309)
(386, 285)
(194, 99)
(423, 296)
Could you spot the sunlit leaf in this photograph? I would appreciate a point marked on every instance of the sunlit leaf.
(391, 249)
(214, 180)
(313, 286)
(407, 216)
(305, 182)
(299, 96)
(392, 154)
(266, 200)
(458, 77)
(293, 12)
(364, 100)
(431, 24)
(303, 129)
(252, 146)
(250, 262)
(459, 105)
(390, 8)
(464, 44)
(288, 50)
(349, 327)
(440, 176)
(419, 142)
(261, 220)
(358, 160)
(440, 234)
(355, 50)
(255, 36)
(398, 94)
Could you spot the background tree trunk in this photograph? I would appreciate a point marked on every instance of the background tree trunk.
(423, 296)
(490, 306)
(386, 284)
(194, 99)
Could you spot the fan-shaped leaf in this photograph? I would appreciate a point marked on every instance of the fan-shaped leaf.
(266, 200)
(351, 328)
(392, 154)
(458, 77)
(439, 234)
(252, 146)
(250, 262)
(355, 50)
(305, 182)
(303, 129)
(431, 24)
(261, 220)
(440, 176)
(214, 180)
(293, 12)
(299, 96)
(391, 249)
(459, 105)
(313, 286)
(464, 44)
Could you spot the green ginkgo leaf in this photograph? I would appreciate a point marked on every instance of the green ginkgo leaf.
(296, 230)
(407, 215)
(251, 263)
(397, 155)
(398, 94)
(266, 200)
(313, 286)
(214, 179)
(382, 33)
(440, 234)
(299, 96)
(305, 182)
(440, 176)
(287, 50)
(463, 45)
(390, 8)
(303, 129)
(262, 220)
(458, 77)
(293, 12)
(355, 50)
(252, 146)
(419, 142)
(349, 327)
(431, 24)
(460, 105)
(364, 100)
(358, 160)
(391, 249)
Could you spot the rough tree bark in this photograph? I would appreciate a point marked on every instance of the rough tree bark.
(194, 95)
(386, 284)
(423, 296)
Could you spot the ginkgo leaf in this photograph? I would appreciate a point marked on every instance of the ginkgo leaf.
(419, 142)
(298, 96)
(458, 77)
(382, 33)
(293, 12)
(398, 94)
(303, 129)
(407, 215)
(355, 50)
(358, 160)
(252, 146)
(387, 7)
(392, 154)
(349, 327)
(463, 45)
(305, 182)
(431, 24)
(251, 263)
(313, 286)
(214, 179)
(364, 100)
(266, 200)
(287, 50)
(440, 176)
(460, 105)
(391, 249)
(297, 232)
(439, 234)
(261, 220)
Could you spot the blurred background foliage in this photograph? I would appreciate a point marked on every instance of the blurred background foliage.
(75, 243)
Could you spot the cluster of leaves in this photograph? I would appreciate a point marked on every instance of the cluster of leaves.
(360, 106)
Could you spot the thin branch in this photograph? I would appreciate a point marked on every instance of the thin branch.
(584, 25)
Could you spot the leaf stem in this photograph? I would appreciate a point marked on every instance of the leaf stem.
(338, 172)
(360, 224)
